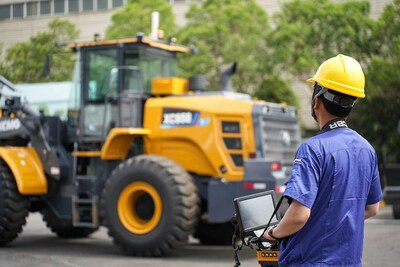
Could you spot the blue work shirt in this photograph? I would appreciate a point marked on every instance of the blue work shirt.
(335, 174)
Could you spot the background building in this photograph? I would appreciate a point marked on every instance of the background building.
(22, 19)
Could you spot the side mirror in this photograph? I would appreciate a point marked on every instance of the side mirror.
(194, 50)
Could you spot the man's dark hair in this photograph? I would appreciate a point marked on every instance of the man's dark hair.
(335, 109)
(335, 103)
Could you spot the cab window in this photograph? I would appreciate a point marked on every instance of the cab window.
(152, 63)
(101, 64)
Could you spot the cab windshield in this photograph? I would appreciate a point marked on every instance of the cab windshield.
(107, 75)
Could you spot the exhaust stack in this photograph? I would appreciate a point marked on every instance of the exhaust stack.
(225, 77)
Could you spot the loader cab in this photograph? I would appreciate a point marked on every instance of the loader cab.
(113, 79)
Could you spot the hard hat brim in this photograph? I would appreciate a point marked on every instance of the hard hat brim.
(311, 80)
(333, 86)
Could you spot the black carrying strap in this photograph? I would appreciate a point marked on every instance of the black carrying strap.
(270, 219)
(237, 261)
(236, 248)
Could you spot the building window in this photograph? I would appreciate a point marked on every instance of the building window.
(73, 5)
(87, 5)
(117, 3)
(18, 11)
(59, 6)
(32, 9)
(102, 4)
(5, 12)
(45, 7)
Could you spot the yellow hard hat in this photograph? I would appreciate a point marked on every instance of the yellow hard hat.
(342, 74)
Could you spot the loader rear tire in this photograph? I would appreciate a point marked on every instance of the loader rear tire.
(64, 228)
(150, 206)
(13, 206)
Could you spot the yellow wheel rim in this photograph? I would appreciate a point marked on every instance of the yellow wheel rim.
(139, 208)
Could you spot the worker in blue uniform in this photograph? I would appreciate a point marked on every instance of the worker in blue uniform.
(334, 185)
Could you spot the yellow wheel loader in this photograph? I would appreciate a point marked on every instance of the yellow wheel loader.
(152, 157)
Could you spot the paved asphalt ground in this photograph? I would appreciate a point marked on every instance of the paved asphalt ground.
(37, 246)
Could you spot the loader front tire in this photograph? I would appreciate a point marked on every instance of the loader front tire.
(150, 206)
(13, 206)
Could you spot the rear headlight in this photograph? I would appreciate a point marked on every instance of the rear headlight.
(276, 166)
(254, 186)
(252, 155)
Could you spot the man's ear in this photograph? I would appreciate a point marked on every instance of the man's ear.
(317, 103)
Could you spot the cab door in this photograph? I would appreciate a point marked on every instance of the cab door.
(99, 92)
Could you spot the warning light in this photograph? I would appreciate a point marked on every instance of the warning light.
(276, 166)
(252, 155)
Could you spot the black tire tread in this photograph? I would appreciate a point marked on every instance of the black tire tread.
(184, 193)
(14, 206)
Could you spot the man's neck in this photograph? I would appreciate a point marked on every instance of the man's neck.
(325, 119)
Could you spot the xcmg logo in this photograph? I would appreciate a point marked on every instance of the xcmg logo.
(172, 117)
(9, 125)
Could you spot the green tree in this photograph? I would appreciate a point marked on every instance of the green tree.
(276, 89)
(233, 30)
(3, 66)
(26, 60)
(135, 17)
(307, 32)
(377, 117)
